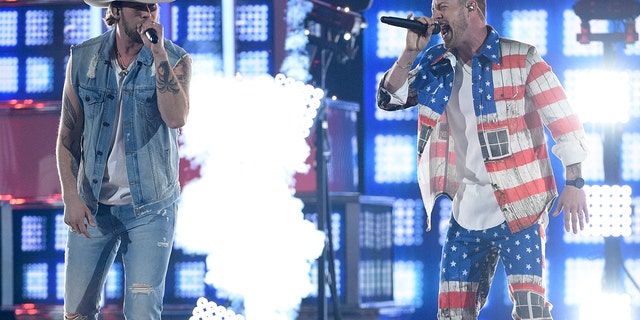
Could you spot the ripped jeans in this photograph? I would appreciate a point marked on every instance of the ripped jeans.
(145, 242)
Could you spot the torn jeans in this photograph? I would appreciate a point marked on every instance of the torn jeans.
(144, 241)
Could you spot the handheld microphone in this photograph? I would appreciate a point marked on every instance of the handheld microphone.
(152, 35)
(410, 24)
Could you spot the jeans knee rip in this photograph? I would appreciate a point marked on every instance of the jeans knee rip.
(74, 316)
(164, 243)
(141, 288)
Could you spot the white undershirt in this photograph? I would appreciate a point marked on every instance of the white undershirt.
(115, 184)
(474, 205)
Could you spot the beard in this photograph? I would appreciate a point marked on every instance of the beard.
(131, 31)
(460, 26)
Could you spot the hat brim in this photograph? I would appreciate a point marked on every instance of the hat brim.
(105, 3)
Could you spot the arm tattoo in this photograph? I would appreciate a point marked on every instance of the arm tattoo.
(164, 81)
(183, 73)
(69, 115)
(70, 120)
(74, 167)
(574, 170)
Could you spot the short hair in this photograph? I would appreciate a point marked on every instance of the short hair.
(482, 6)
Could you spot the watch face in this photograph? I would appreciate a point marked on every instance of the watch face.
(578, 183)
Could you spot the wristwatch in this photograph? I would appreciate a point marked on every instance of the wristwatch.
(577, 182)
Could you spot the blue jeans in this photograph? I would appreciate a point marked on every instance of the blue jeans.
(145, 243)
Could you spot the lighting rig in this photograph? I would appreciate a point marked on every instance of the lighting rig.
(332, 32)
(621, 12)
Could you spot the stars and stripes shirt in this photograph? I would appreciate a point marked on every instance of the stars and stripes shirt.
(515, 95)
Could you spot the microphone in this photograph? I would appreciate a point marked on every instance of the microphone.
(152, 35)
(410, 24)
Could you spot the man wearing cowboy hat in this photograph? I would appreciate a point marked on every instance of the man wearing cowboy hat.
(124, 99)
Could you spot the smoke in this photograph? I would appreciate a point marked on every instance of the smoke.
(248, 137)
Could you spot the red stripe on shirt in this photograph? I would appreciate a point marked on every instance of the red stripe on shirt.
(524, 191)
(527, 122)
(548, 97)
(511, 61)
(538, 70)
(519, 159)
(565, 125)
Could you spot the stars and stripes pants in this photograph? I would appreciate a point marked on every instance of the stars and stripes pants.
(469, 260)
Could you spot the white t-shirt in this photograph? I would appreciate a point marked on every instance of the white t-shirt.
(474, 205)
(115, 184)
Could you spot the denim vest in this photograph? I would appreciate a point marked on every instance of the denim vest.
(151, 147)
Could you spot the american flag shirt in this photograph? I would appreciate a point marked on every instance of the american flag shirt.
(515, 96)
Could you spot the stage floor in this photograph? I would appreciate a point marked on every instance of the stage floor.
(43, 312)
(184, 312)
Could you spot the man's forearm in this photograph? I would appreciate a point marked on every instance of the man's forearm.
(573, 171)
(173, 87)
(399, 72)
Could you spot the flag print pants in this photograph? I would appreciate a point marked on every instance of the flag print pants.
(468, 264)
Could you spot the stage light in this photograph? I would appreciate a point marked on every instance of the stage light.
(60, 281)
(630, 156)
(9, 27)
(39, 74)
(606, 306)
(390, 39)
(252, 23)
(586, 88)
(408, 279)
(394, 159)
(609, 211)
(35, 277)
(77, 24)
(615, 10)
(38, 27)
(189, 279)
(529, 26)
(60, 233)
(204, 23)
(33, 234)
(582, 278)
(8, 75)
(253, 63)
(408, 217)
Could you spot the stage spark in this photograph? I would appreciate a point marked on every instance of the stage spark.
(247, 135)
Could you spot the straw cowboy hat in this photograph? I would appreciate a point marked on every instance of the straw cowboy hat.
(105, 3)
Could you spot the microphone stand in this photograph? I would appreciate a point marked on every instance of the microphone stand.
(323, 202)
